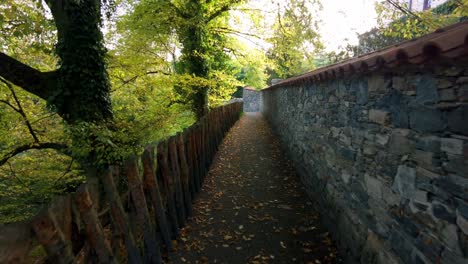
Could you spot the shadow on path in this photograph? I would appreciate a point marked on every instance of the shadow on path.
(253, 208)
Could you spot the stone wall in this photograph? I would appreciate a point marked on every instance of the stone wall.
(251, 100)
(385, 157)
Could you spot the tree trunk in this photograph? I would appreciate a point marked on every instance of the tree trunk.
(194, 62)
(82, 91)
(79, 90)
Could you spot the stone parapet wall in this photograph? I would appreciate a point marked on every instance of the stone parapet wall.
(385, 157)
(251, 99)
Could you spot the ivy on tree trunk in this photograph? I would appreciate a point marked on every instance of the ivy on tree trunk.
(79, 89)
(194, 62)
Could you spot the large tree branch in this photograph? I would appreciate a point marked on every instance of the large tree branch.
(20, 110)
(18, 179)
(26, 147)
(222, 9)
(233, 31)
(124, 82)
(177, 10)
(68, 170)
(9, 104)
(26, 77)
(42, 118)
(279, 21)
(411, 13)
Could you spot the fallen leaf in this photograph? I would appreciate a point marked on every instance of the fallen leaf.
(285, 206)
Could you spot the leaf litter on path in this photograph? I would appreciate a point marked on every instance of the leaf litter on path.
(252, 207)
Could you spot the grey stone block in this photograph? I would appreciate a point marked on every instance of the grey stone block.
(440, 211)
(347, 153)
(447, 95)
(428, 143)
(462, 218)
(362, 93)
(390, 197)
(453, 71)
(429, 246)
(458, 120)
(425, 159)
(463, 93)
(422, 172)
(426, 119)
(377, 83)
(251, 100)
(373, 186)
(452, 145)
(449, 238)
(397, 104)
(456, 164)
(462, 79)
(379, 117)
(400, 144)
(426, 89)
(449, 257)
(445, 184)
(404, 182)
(402, 245)
(444, 83)
(382, 139)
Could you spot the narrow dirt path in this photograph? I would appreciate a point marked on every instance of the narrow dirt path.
(252, 208)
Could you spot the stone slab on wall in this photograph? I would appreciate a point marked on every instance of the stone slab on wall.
(251, 100)
(385, 157)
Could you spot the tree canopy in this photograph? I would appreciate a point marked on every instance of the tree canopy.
(74, 99)
(295, 39)
(398, 21)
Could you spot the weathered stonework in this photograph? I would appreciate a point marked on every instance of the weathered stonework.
(251, 100)
(385, 156)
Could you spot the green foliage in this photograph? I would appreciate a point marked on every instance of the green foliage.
(295, 38)
(142, 79)
(460, 8)
(168, 60)
(373, 40)
(23, 25)
(396, 25)
(149, 109)
(222, 85)
(142, 115)
(197, 27)
(323, 59)
(252, 65)
(253, 75)
(103, 143)
(403, 24)
(30, 180)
